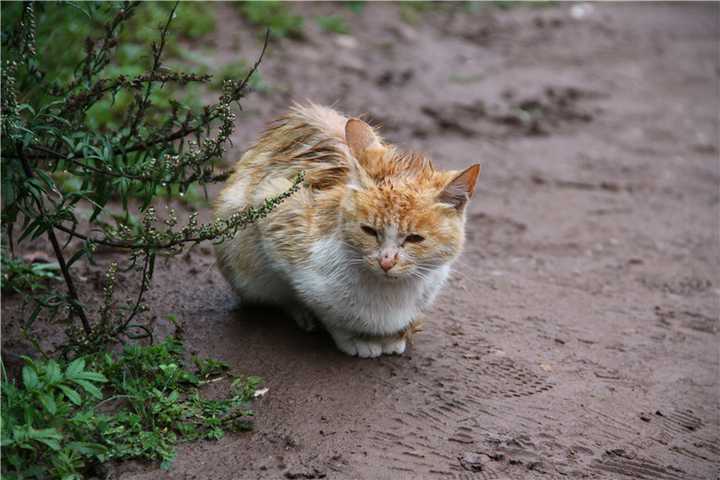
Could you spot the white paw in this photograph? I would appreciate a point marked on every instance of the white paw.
(368, 348)
(304, 318)
(356, 346)
(394, 346)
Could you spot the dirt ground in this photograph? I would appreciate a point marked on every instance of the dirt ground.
(577, 337)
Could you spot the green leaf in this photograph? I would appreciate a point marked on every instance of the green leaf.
(48, 436)
(89, 387)
(53, 444)
(92, 376)
(87, 448)
(71, 394)
(30, 378)
(75, 367)
(48, 401)
(52, 372)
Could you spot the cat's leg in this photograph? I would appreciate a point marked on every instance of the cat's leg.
(354, 345)
(303, 316)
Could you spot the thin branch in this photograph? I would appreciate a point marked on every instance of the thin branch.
(257, 64)
(248, 216)
(178, 134)
(141, 292)
(157, 54)
(76, 306)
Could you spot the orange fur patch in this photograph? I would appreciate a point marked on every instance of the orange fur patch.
(399, 189)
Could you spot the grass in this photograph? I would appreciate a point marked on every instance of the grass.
(411, 12)
(64, 419)
(274, 15)
(333, 24)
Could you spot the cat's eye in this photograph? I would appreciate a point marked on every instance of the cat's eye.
(369, 230)
(414, 238)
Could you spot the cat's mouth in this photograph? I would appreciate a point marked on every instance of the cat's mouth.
(392, 276)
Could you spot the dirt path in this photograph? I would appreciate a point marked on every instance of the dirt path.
(578, 336)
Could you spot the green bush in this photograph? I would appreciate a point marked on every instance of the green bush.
(97, 131)
(59, 26)
(80, 141)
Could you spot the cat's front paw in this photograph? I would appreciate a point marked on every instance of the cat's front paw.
(393, 346)
(368, 348)
(362, 348)
(356, 346)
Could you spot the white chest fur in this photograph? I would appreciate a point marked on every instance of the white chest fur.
(346, 295)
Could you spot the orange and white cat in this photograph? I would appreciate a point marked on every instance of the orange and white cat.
(364, 246)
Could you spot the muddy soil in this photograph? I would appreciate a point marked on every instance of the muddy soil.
(577, 337)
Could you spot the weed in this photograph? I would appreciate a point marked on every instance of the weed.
(411, 12)
(333, 24)
(274, 15)
(62, 420)
(98, 129)
(59, 27)
(20, 276)
(355, 6)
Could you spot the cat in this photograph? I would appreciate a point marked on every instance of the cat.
(362, 248)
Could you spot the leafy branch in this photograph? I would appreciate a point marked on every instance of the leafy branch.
(46, 140)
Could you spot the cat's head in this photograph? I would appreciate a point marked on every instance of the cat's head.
(401, 218)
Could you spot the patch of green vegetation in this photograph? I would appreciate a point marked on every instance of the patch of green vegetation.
(62, 32)
(411, 12)
(62, 420)
(273, 15)
(209, 367)
(333, 24)
(20, 276)
(355, 6)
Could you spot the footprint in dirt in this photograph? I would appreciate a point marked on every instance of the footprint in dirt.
(436, 419)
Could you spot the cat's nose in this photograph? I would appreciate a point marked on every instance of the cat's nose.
(388, 260)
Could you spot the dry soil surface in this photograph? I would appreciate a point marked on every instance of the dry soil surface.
(577, 337)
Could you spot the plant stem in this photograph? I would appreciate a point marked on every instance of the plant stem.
(76, 306)
(157, 54)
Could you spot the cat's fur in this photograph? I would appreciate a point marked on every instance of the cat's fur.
(316, 254)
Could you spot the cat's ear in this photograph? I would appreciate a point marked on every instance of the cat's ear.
(358, 178)
(364, 143)
(461, 188)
